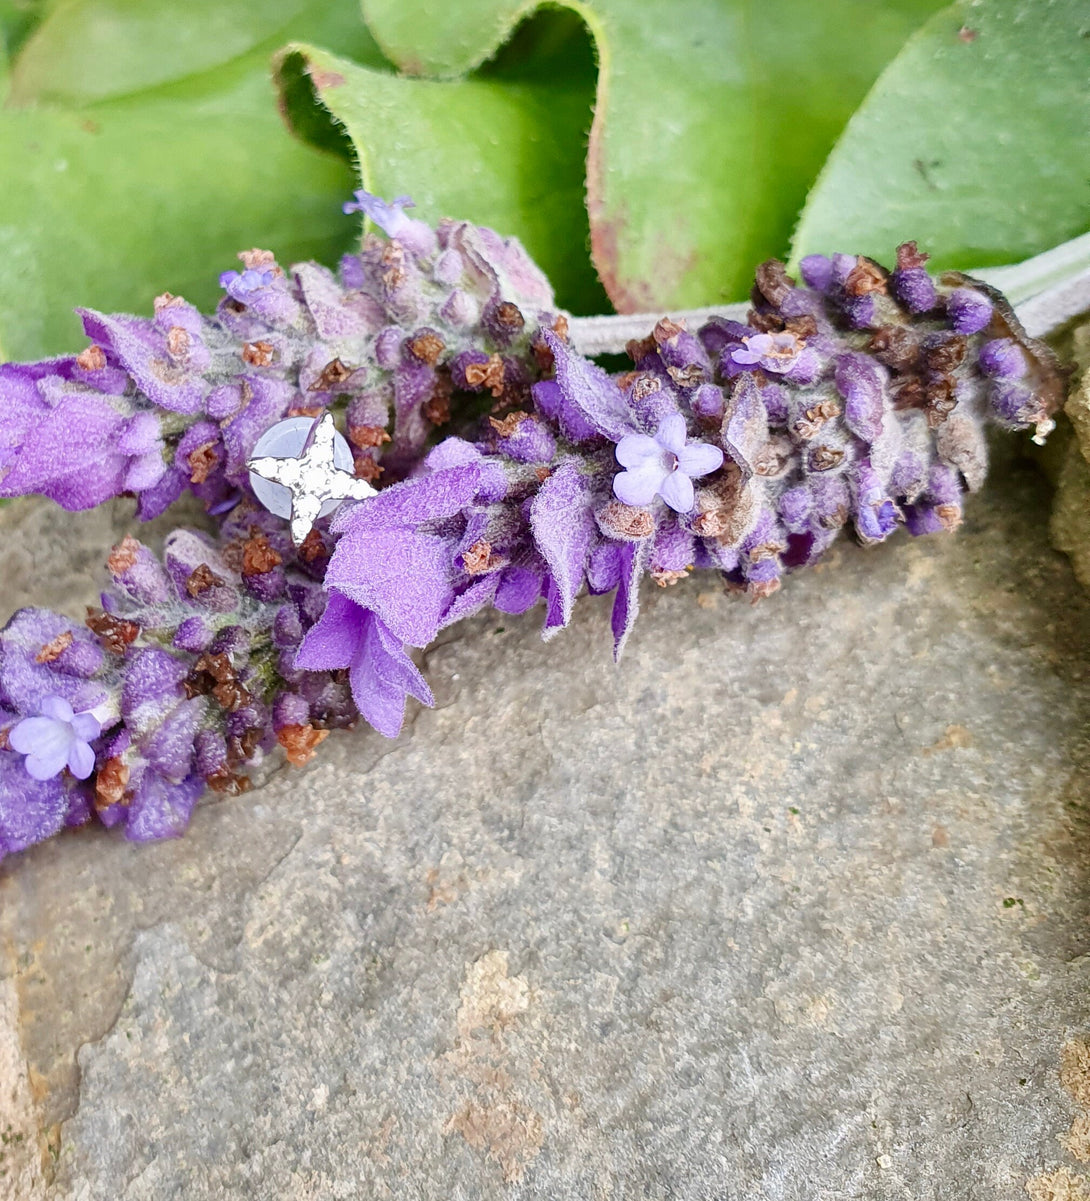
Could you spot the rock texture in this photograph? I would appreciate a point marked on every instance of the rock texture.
(1071, 465)
(791, 905)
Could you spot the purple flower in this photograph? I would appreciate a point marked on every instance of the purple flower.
(389, 217)
(774, 352)
(56, 739)
(416, 236)
(243, 283)
(663, 466)
(911, 283)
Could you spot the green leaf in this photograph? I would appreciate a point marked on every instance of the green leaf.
(91, 50)
(113, 202)
(973, 142)
(711, 119)
(503, 148)
(17, 19)
(117, 204)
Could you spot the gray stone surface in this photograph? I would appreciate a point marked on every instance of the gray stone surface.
(791, 905)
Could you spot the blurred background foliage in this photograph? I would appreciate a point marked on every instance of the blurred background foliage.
(648, 152)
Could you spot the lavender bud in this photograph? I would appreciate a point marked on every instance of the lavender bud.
(1003, 358)
(969, 311)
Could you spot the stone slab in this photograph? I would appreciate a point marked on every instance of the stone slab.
(790, 905)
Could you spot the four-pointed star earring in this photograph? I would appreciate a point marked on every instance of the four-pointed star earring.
(312, 476)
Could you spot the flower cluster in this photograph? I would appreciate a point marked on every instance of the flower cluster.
(177, 401)
(182, 683)
(858, 399)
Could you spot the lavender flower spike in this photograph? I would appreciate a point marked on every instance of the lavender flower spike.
(177, 401)
(878, 423)
(858, 400)
(57, 738)
(663, 466)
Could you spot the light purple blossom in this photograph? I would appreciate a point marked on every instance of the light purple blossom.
(57, 738)
(389, 216)
(773, 352)
(664, 465)
(244, 283)
(391, 219)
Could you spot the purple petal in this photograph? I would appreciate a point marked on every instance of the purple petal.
(639, 487)
(416, 236)
(403, 576)
(332, 642)
(86, 726)
(382, 675)
(677, 490)
(34, 733)
(593, 392)
(47, 760)
(699, 458)
(671, 433)
(400, 665)
(634, 450)
(81, 759)
(57, 708)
